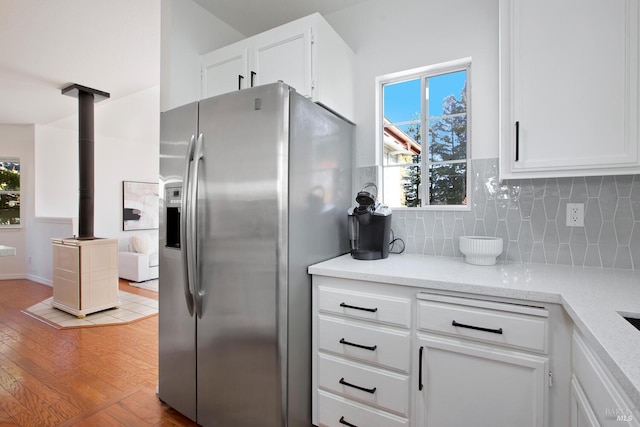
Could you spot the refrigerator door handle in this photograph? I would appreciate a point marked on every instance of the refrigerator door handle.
(185, 227)
(193, 218)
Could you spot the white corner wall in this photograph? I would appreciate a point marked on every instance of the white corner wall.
(188, 31)
(413, 33)
(18, 141)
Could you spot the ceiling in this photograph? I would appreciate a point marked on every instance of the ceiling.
(47, 45)
(112, 46)
(251, 17)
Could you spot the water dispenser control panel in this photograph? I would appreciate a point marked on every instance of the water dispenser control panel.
(173, 203)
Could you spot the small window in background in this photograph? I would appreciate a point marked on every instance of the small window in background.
(424, 136)
(9, 192)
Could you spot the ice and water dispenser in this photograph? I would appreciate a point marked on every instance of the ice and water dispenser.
(173, 203)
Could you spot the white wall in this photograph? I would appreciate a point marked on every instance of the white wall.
(18, 141)
(188, 31)
(389, 37)
(40, 253)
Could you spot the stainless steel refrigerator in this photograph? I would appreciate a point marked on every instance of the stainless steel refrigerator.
(255, 186)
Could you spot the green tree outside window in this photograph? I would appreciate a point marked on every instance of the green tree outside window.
(9, 192)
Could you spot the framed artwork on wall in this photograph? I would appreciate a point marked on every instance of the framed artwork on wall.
(140, 205)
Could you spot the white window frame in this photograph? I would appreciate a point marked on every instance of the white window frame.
(463, 64)
(19, 225)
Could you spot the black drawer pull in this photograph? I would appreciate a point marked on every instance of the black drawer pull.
(368, 390)
(517, 141)
(347, 423)
(366, 347)
(477, 328)
(420, 385)
(372, 310)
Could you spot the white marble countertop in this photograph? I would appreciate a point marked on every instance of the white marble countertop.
(7, 250)
(593, 297)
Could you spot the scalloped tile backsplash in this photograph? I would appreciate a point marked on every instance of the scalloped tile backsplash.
(529, 214)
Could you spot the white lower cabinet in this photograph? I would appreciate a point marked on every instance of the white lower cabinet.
(581, 412)
(376, 387)
(480, 363)
(361, 353)
(596, 398)
(392, 355)
(465, 383)
(336, 411)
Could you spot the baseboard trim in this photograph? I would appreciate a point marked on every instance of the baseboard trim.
(38, 279)
(12, 276)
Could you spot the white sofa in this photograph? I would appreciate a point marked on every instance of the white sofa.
(140, 262)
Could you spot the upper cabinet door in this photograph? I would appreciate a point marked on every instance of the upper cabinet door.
(569, 88)
(225, 70)
(283, 54)
(307, 54)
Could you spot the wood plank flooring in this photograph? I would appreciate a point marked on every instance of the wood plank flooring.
(98, 376)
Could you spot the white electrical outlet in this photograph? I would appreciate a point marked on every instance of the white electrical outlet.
(575, 214)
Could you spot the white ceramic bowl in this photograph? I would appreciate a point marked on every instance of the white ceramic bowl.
(480, 250)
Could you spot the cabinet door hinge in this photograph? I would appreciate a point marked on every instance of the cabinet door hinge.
(550, 379)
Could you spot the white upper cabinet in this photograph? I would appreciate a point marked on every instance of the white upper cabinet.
(224, 70)
(307, 54)
(569, 88)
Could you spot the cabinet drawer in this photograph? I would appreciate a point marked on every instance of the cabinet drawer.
(372, 344)
(378, 308)
(336, 410)
(496, 323)
(372, 386)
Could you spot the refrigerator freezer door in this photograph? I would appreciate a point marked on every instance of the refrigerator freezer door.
(240, 217)
(177, 328)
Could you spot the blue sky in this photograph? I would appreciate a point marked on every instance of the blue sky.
(402, 100)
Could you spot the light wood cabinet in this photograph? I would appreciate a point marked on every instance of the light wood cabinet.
(307, 54)
(85, 275)
(569, 88)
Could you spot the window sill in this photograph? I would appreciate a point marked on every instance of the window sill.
(10, 228)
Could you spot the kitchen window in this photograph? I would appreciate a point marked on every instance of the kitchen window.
(423, 136)
(9, 192)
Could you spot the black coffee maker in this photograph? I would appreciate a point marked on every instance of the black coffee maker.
(369, 225)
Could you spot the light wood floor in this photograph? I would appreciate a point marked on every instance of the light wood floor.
(99, 376)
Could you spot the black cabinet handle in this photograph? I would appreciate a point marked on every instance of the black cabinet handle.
(420, 385)
(517, 141)
(366, 347)
(253, 74)
(346, 423)
(372, 310)
(240, 78)
(368, 390)
(477, 328)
